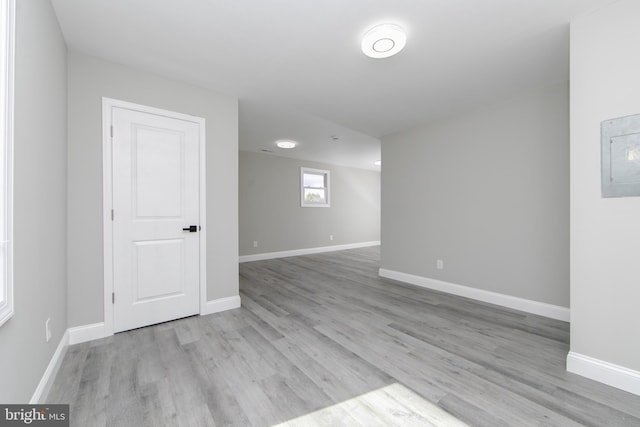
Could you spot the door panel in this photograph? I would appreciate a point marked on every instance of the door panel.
(158, 269)
(158, 169)
(155, 195)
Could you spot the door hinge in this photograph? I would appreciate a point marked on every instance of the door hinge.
(112, 215)
(111, 131)
(113, 297)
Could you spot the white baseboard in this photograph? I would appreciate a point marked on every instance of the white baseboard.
(96, 331)
(308, 251)
(42, 390)
(220, 304)
(607, 373)
(85, 333)
(516, 303)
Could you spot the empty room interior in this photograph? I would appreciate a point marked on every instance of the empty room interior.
(328, 213)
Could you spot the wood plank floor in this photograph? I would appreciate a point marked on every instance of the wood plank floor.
(321, 340)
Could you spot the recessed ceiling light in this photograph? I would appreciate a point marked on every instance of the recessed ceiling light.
(286, 144)
(378, 162)
(383, 41)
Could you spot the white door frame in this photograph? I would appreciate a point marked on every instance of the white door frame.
(107, 200)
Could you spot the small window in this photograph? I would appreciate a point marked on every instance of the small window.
(315, 188)
(6, 149)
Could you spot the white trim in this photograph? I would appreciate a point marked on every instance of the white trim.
(203, 216)
(529, 306)
(107, 199)
(308, 251)
(44, 386)
(107, 224)
(220, 304)
(7, 39)
(85, 333)
(607, 373)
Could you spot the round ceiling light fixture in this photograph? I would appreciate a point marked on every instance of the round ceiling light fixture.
(383, 41)
(378, 163)
(286, 144)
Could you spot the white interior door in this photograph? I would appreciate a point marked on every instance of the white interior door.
(156, 261)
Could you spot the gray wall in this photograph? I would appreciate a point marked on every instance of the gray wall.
(39, 202)
(270, 211)
(605, 235)
(91, 79)
(486, 191)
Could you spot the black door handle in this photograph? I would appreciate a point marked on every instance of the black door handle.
(191, 229)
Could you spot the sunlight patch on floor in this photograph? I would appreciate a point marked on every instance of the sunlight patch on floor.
(392, 405)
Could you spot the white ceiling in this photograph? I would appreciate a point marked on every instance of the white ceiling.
(297, 68)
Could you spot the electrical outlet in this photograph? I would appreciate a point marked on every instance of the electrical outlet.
(47, 329)
(255, 243)
(440, 264)
(330, 236)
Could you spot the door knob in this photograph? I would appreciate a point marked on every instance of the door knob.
(191, 229)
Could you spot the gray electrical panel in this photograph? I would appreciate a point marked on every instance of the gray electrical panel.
(621, 156)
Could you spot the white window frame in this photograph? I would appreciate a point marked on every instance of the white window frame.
(7, 37)
(326, 188)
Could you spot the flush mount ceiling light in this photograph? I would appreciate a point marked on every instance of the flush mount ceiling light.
(378, 162)
(383, 41)
(286, 144)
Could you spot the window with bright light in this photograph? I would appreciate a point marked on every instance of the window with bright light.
(7, 19)
(314, 184)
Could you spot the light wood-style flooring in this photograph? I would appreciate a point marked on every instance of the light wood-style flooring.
(321, 340)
